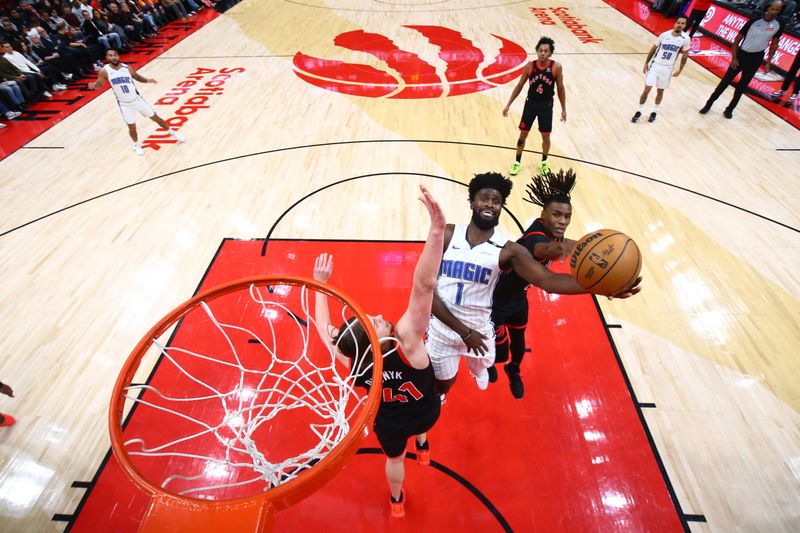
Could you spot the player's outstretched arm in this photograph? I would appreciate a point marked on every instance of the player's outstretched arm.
(138, 77)
(518, 88)
(534, 272)
(415, 320)
(523, 263)
(100, 81)
(323, 268)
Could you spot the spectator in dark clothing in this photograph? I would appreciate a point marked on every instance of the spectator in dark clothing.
(97, 31)
(46, 49)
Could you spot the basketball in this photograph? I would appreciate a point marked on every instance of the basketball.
(605, 262)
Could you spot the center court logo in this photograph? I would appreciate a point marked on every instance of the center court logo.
(404, 74)
(709, 14)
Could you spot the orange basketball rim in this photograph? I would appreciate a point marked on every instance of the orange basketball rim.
(168, 511)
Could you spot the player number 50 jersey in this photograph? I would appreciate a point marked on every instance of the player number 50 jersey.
(669, 47)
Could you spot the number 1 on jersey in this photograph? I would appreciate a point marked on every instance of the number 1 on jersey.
(459, 291)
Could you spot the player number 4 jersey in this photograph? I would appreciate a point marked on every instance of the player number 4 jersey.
(669, 47)
(467, 277)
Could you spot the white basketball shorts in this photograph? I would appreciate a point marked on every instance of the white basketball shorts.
(446, 348)
(129, 110)
(658, 75)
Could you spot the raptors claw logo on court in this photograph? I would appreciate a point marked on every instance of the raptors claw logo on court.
(408, 76)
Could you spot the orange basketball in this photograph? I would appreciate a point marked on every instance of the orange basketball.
(605, 262)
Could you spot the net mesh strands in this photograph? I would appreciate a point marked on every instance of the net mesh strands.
(253, 399)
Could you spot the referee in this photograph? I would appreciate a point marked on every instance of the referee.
(748, 52)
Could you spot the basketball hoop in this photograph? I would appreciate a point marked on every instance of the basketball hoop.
(247, 413)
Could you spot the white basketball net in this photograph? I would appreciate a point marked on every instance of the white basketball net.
(283, 382)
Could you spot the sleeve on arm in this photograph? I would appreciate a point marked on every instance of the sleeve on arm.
(530, 240)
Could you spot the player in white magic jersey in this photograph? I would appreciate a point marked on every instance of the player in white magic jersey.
(474, 256)
(660, 64)
(130, 102)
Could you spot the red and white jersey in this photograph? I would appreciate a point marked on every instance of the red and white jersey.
(467, 277)
(122, 83)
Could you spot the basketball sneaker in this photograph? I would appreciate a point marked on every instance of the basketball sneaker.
(778, 94)
(728, 113)
(6, 420)
(138, 149)
(543, 168)
(705, 109)
(515, 168)
(652, 117)
(398, 508)
(793, 97)
(636, 117)
(482, 379)
(492, 374)
(423, 453)
(175, 135)
(515, 380)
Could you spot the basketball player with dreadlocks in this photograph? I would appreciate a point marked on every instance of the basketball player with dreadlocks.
(409, 406)
(474, 256)
(545, 240)
(543, 77)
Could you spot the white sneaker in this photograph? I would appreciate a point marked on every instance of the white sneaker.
(138, 149)
(68, 76)
(11, 115)
(58, 87)
(793, 98)
(47, 94)
(177, 136)
(2, 125)
(482, 379)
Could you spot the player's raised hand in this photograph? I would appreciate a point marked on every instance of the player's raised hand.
(434, 209)
(323, 267)
(627, 293)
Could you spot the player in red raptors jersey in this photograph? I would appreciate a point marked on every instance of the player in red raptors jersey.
(545, 240)
(409, 405)
(543, 77)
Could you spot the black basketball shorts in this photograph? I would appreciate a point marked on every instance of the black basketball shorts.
(536, 110)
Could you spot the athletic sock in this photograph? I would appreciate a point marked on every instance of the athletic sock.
(641, 108)
(423, 446)
(655, 108)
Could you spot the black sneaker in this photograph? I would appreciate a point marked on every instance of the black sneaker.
(652, 117)
(728, 113)
(706, 108)
(636, 117)
(492, 374)
(515, 381)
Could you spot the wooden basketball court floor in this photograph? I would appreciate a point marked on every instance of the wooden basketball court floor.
(98, 244)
